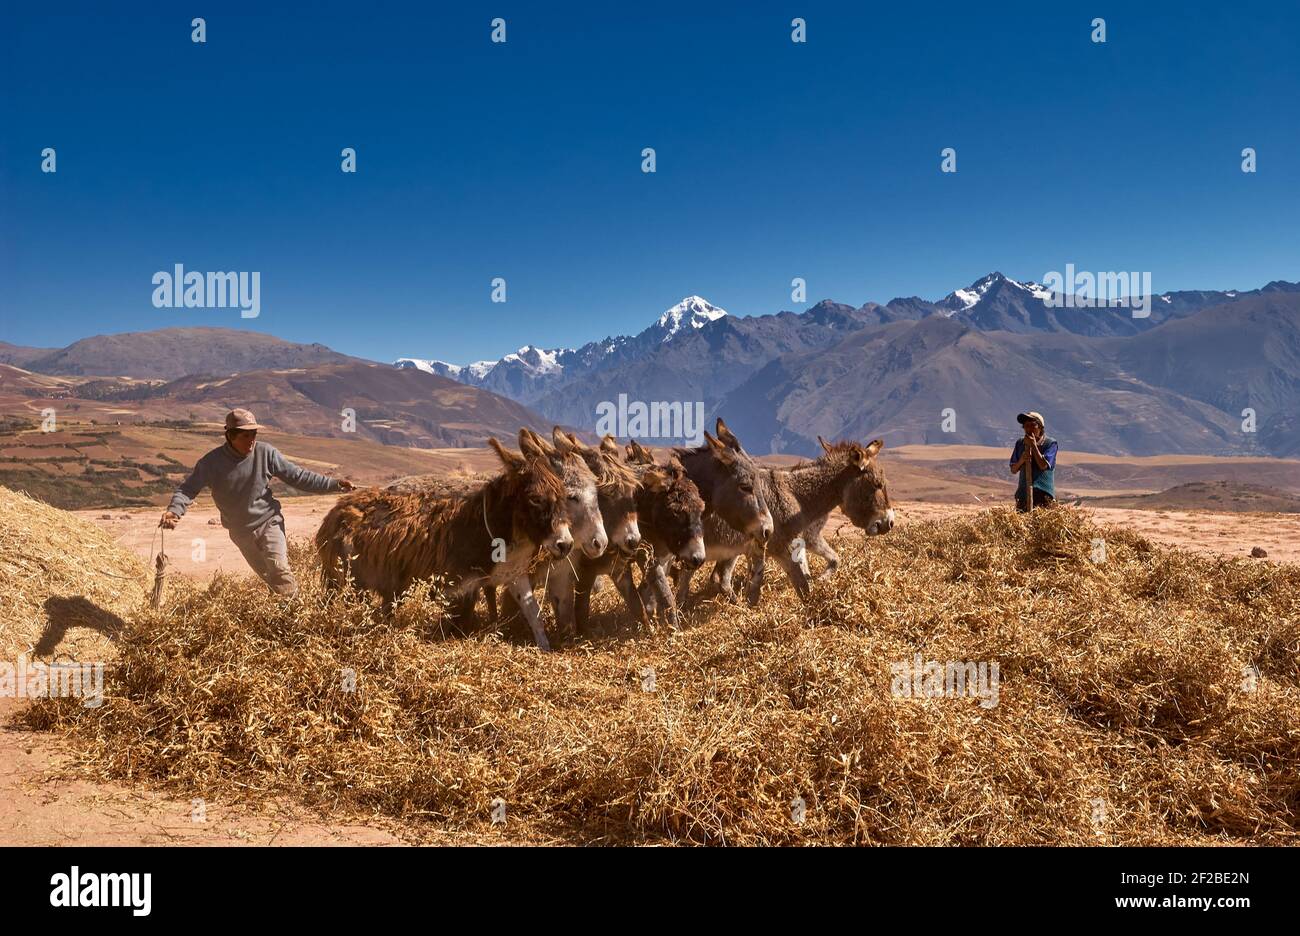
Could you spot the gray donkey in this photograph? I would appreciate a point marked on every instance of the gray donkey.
(846, 475)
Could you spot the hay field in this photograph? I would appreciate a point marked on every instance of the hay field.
(64, 583)
(1152, 698)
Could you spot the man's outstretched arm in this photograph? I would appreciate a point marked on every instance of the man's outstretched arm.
(184, 496)
(303, 479)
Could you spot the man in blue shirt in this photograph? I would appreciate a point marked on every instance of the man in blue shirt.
(239, 474)
(1040, 451)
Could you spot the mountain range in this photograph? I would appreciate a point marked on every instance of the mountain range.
(1187, 379)
(168, 353)
(1174, 381)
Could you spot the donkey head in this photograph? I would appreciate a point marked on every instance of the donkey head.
(673, 503)
(865, 498)
(579, 488)
(539, 508)
(729, 483)
(616, 488)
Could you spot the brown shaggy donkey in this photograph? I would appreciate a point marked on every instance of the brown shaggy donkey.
(672, 521)
(384, 541)
(669, 509)
(616, 487)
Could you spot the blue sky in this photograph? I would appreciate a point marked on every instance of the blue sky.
(522, 160)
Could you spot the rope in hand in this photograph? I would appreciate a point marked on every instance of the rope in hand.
(160, 565)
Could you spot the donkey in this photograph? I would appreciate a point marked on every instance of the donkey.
(845, 475)
(729, 484)
(865, 504)
(728, 481)
(569, 457)
(671, 513)
(580, 488)
(617, 487)
(383, 541)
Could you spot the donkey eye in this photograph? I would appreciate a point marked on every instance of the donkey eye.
(575, 498)
(747, 489)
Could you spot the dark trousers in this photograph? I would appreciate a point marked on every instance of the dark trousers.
(1041, 499)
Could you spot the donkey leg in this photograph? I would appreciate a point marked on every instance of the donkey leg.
(722, 573)
(627, 588)
(559, 587)
(582, 590)
(817, 545)
(490, 594)
(757, 565)
(665, 592)
(682, 578)
(340, 576)
(648, 594)
(522, 591)
(795, 573)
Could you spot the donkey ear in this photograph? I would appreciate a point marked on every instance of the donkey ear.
(561, 441)
(609, 445)
(512, 460)
(727, 436)
(547, 448)
(576, 442)
(875, 446)
(826, 446)
(530, 443)
(676, 463)
(721, 451)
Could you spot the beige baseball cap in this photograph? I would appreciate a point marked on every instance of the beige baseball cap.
(1020, 418)
(241, 419)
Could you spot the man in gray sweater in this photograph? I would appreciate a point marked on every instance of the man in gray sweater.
(239, 473)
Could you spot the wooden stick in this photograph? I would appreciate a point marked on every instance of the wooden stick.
(1027, 470)
(160, 575)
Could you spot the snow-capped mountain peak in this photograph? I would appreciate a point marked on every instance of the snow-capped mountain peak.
(962, 300)
(538, 360)
(455, 371)
(1037, 290)
(691, 312)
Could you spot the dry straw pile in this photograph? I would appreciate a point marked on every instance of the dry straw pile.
(1128, 711)
(63, 583)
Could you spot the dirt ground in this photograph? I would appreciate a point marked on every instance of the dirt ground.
(40, 804)
(1206, 532)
